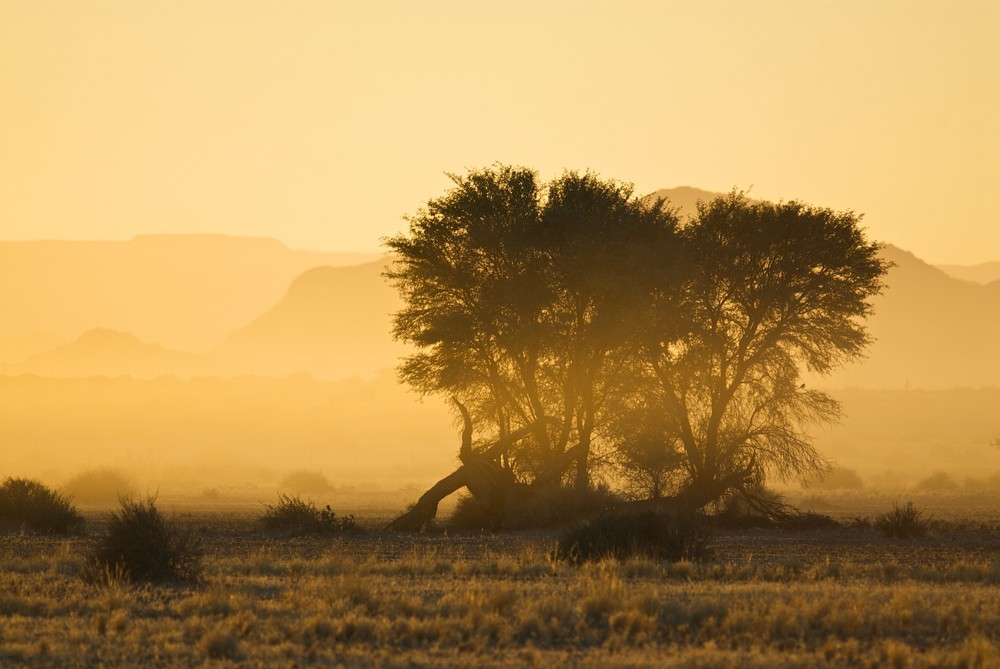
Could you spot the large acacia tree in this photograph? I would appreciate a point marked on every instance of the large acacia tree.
(771, 290)
(569, 316)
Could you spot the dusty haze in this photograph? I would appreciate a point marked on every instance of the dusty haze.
(182, 185)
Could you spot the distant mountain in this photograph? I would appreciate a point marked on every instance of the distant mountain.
(187, 292)
(684, 198)
(932, 331)
(334, 322)
(987, 272)
(16, 347)
(103, 352)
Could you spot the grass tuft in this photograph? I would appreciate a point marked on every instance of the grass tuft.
(903, 522)
(140, 545)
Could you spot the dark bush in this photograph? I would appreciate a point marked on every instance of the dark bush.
(141, 545)
(472, 514)
(799, 521)
(99, 486)
(750, 508)
(531, 507)
(937, 482)
(902, 522)
(303, 482)
(838, 478)
(658, 536)
(30, 504)
(293, 515)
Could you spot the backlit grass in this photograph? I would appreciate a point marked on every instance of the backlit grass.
(837, 598)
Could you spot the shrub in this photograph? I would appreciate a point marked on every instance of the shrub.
(293, 515)
(472, 514)
(534, 507)
(757, 506)
(902, 522)
(302, 482)
(659, 536)
(838, 478)
(807, 520)
(937, 482)
(99, 486)
(27, 503)
(141, 545)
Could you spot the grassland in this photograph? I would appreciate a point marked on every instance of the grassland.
(838, 597)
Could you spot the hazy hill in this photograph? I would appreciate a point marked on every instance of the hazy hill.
(683, 198)
(16, 347)
(334, 322)
(102, 352)
(187, 292)
(932, 331)
(983, 273)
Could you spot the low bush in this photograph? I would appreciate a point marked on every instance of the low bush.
(302, 482)
(293, 515)
(99, 486)
(757, 507)
(838, 478)
(799, 521)
(141, 545)
(903, 522)
(532, 508)
(937, 482)
(658, 536)
(29, 504)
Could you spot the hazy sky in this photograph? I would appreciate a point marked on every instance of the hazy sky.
(323, 123)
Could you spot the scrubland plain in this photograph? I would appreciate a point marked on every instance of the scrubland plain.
(766, 598)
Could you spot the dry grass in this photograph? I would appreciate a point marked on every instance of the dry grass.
(844, 598)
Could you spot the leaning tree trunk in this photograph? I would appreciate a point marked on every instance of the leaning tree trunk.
(481, 473)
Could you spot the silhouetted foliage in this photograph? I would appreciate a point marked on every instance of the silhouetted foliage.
(521, 298)
(611, 329)
(800, 521)
(772, 288)
(937, 482)
(548, 506)
(304, 482)
(141, 545)
(903, 522)
(657, 536)
(837, 478)
(293, 515)
(25, 503)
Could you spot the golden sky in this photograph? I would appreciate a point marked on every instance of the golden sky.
(323, 123)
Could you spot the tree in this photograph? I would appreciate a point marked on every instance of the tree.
(521, 300)
(772, 288)
(573, 317)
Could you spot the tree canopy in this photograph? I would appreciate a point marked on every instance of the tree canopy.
(575, 323)
(769, 289)
(521, 300)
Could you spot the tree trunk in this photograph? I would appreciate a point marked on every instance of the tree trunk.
(486, 480)
(483, 475)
